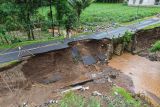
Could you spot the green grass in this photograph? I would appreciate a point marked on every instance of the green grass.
(123, 99)
(100, 12)
(7, 46)
(152, 26)
(45, 39)
(73, 100)
(106, 13)
(127, 98)
(155, 47)
(9, 64)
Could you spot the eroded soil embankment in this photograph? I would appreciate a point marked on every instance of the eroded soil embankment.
(61, 63)
(144, 40)
(40, 78)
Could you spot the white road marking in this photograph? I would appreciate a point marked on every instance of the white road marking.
(29, 49)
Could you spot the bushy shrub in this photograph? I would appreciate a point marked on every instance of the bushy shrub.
(155, 47)
(124, 99)
(73, 100)
(127, 37)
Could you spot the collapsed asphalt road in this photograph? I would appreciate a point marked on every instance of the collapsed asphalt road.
(29, 50)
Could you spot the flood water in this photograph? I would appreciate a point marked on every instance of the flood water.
(144, 73)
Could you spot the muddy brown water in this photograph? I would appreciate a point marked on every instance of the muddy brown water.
(144, 73)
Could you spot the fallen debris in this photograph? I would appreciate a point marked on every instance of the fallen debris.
(115, 93)
(25, 104)
(109, 80)
(85, 88)
(96, 93)
(76, 88)
(102, 57)
(51, 102)
(113, 76)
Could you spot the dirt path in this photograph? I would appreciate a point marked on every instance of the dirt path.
(144, 73)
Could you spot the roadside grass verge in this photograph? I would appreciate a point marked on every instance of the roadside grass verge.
(152, 26)
(155, 47)
(24, 43)
(7, 65)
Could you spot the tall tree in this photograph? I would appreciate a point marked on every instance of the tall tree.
(28, 8)
(61, 9)
(80, 5)
(51, 16)
(65, 15)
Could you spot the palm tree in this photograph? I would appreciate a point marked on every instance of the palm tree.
(79, 5)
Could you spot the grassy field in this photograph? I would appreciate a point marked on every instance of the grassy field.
(104, 12)
(116, 12)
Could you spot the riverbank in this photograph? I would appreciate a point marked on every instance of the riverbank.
(144, 41)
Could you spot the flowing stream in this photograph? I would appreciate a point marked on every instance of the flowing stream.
(144, 73)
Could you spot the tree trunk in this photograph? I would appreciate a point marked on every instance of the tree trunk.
(29, 35)
(30, 28)
(59, 30)
(2, 40)
(67, 31)
(32, 33)
(79, 14)
(51, 17)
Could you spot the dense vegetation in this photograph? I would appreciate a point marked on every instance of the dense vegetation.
(19, 15)
(42, 20)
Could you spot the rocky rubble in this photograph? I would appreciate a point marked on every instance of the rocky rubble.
(154, 56)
